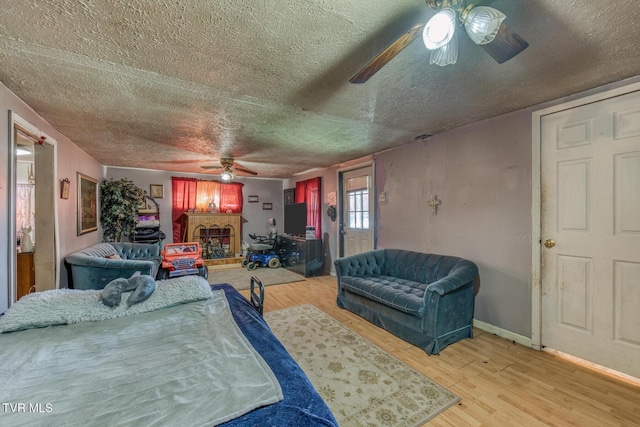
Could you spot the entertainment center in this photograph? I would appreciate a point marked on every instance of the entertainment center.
(301, 255)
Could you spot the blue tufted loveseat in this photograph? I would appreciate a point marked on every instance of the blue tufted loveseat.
(97, 265)
(424, 299)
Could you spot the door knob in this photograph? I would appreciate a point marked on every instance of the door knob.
(549, 243)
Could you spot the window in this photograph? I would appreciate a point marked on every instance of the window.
(358, 202)
(358, 209)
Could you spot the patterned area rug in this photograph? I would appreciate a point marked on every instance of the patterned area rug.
(240, 277)
(362, 384)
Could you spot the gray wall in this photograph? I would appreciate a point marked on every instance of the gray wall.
(255, 218)
(482, 175)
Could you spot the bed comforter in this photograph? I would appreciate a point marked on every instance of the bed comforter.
(301, 404)
(163, 367)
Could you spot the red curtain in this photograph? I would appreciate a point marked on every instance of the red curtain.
(184, 198)
(301, 191)
(231, 197)
(309, 192)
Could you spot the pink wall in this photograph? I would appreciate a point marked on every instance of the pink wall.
(70, 159)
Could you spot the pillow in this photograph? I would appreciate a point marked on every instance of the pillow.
(111, 294)
(145, 285)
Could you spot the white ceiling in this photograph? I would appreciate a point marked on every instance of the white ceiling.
(173, 85)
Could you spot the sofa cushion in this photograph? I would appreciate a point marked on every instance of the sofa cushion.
(401, 294)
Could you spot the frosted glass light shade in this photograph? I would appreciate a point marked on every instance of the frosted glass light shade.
(226, 176)
(445, 55)
(482, 24)
(440, 28)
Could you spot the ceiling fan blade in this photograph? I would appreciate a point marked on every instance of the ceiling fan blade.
(506, 45)
(210, 167)
(250, 172)
(387, 55)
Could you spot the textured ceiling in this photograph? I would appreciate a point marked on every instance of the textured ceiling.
(174, 85)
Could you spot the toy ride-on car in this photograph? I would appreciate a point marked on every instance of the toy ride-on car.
(182, 259)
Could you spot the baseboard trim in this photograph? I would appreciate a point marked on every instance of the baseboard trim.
(503, 333)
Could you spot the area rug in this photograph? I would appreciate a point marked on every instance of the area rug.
(240, 277)
(362, 384)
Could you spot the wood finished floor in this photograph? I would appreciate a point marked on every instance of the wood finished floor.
(500, 383)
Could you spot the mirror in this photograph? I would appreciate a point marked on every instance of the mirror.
(25, 194)
(33, 208)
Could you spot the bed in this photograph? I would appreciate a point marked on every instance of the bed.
(144, 368)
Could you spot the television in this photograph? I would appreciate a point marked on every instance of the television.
(295, 219)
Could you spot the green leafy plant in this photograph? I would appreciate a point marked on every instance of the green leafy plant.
(119, 201)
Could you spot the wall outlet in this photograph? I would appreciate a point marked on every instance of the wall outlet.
(382, 197)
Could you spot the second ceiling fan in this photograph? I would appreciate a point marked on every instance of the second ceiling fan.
(229, 169)
(484, 25)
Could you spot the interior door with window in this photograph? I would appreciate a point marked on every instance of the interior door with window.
(590, 181)
(357, 211)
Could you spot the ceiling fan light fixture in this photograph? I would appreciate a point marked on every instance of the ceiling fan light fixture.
(440, 29)
(482, 23)
(226, 175)
(445, 55)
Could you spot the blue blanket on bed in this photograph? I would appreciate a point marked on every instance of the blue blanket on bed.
(302, 405)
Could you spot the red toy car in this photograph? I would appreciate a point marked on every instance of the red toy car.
(182, 259)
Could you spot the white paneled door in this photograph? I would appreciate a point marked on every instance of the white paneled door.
(358, 215)
(590, 194)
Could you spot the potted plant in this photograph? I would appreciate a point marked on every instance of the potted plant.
(119, 201)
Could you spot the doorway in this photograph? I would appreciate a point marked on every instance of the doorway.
(588, 261)
(36, 268)
(357, 215)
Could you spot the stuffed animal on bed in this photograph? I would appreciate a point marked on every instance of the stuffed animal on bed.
(142, 286)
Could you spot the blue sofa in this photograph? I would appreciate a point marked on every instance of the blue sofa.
(97, 265)
(424, 299)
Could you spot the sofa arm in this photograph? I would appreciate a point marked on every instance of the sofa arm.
(462, 273)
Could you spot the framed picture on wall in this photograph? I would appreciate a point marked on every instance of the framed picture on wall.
(253, 199)
(157, 191)
(267, 206)
(289, 196)
(87, 204)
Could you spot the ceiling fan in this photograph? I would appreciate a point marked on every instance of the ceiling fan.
(229, 169)
(484, 25)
